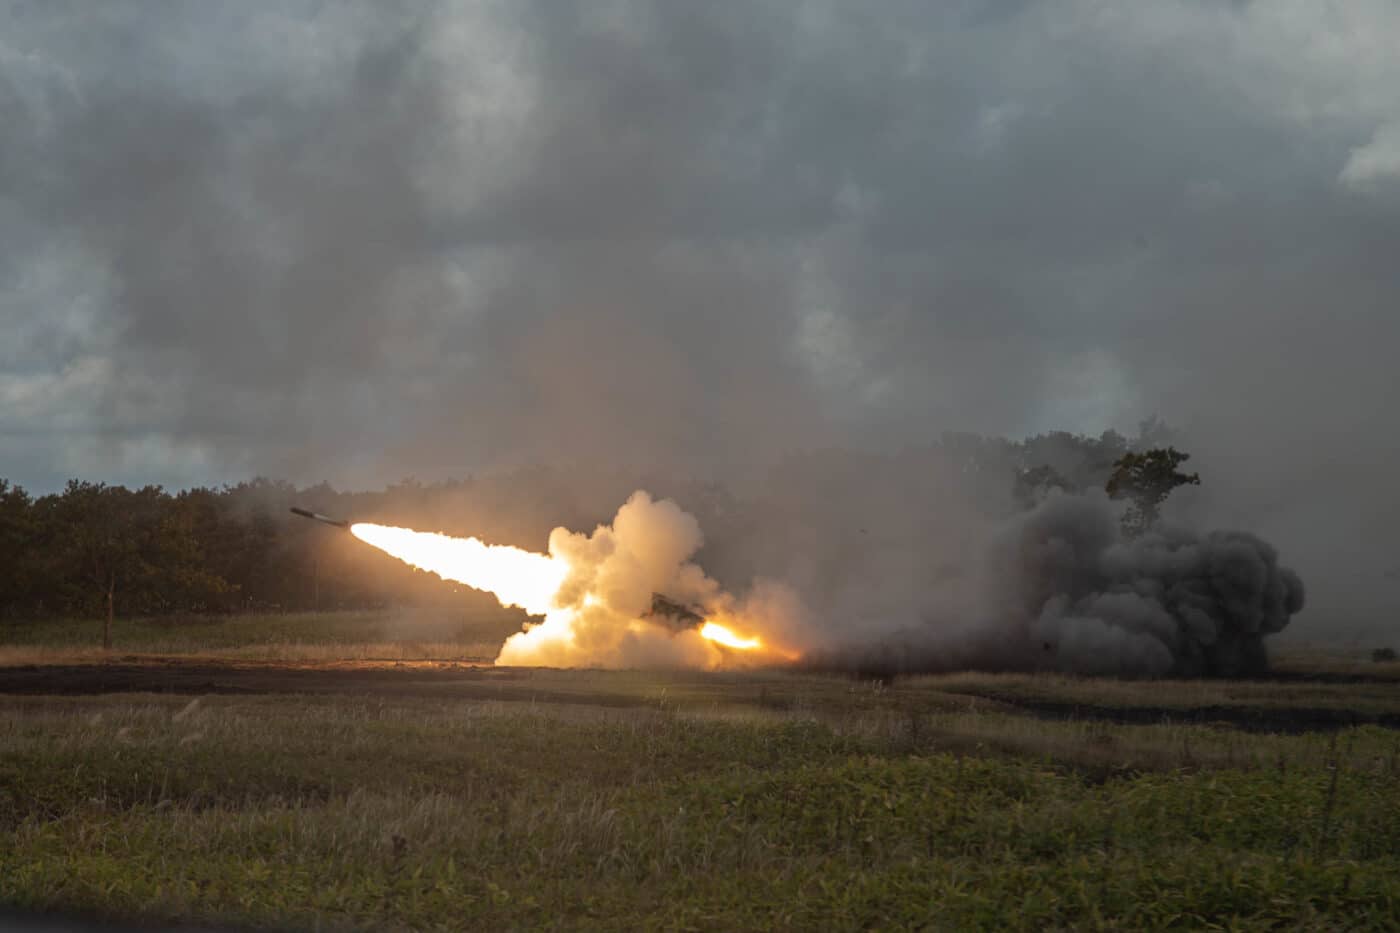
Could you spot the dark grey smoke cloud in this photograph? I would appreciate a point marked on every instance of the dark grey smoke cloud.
(1057, 587)
(1170, 601)
(363, 240)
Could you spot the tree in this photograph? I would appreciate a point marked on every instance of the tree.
(111, 539)
(94, 537)
(17, 528)
(1147, 478)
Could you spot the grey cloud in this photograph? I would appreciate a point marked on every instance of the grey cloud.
(366, 239)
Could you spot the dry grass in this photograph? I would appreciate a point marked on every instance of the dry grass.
(1379, 696)
(319, 636)
(755, 800)
(1315, 660)
(291, 653)
(361, 812)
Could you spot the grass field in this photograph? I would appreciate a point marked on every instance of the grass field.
(405, 634)
(767, 800)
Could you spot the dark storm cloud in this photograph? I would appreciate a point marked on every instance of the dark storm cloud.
(362, 240)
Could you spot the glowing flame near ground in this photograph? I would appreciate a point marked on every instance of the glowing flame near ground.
(595, 591)
(722, 636)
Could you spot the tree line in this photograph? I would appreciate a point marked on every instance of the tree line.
(100, 550)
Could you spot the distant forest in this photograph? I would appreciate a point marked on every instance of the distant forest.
(95, 549)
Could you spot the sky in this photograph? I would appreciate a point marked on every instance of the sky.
(363, 240)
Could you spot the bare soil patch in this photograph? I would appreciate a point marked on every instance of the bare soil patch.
(480, 680)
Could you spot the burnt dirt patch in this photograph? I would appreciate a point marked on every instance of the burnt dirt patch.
(479, 680)
(468, 680)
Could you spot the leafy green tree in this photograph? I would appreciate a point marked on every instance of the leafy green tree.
(113, 541)
(94, 540)
(185, 576)
(18, 579)
(1146, 478)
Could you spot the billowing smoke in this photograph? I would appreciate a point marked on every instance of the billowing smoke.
(1169, 601)
(607, 612)
(613, 574)
(1060, 587)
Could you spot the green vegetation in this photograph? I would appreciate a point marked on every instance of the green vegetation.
(1377, 695)
(94, 550)
(99, 551)
(1146, 478)
(730, 801)
(387, 634)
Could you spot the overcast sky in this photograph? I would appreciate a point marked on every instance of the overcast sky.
(358, 241)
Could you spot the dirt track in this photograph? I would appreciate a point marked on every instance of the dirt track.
(464, 680)
(480, 680)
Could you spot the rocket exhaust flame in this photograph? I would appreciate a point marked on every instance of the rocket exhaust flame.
(723, 636)
(515, 577)
(598, 594)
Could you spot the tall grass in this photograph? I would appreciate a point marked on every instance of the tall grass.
(1379, 695)
(392, 634)
(683, 813)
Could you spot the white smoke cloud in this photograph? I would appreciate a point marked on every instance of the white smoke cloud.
(603, 610)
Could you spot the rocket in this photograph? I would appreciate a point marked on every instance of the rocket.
(317, 516)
